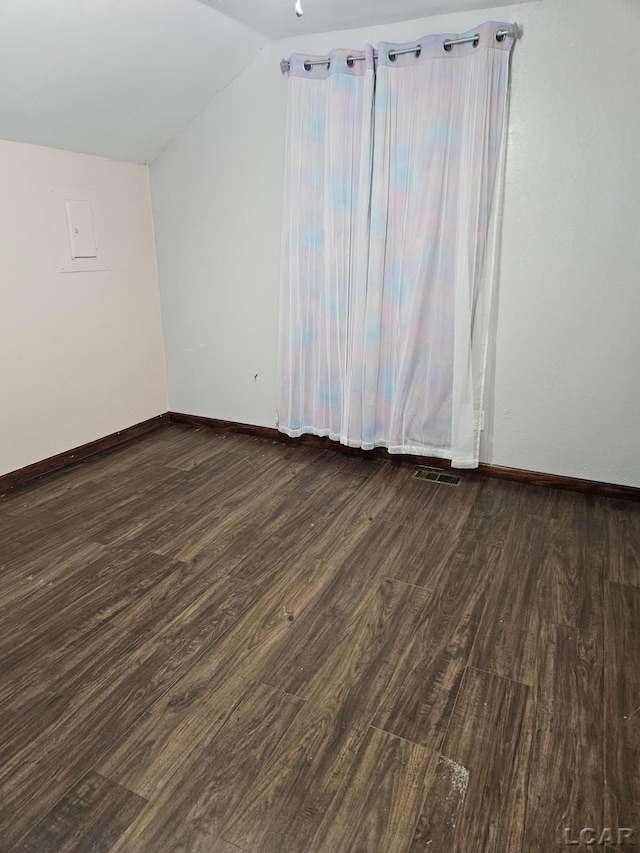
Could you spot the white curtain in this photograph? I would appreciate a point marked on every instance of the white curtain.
(389, 242)
(325, 235)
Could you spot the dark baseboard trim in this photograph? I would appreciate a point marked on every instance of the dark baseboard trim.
(534, 478)
(306, 440)
(555, 481)
(76, 454)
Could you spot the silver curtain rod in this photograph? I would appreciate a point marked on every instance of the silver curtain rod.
(447, 44)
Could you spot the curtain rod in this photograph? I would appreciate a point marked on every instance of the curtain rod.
(447, 44)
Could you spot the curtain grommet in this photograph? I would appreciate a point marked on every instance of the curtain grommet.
(308, 65)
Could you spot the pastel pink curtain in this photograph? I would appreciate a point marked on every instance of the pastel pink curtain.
(389, 244)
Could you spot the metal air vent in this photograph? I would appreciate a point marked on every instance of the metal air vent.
(436, 475)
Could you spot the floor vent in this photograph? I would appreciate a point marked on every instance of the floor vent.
(436, 475)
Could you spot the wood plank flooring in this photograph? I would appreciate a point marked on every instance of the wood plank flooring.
(212, 642)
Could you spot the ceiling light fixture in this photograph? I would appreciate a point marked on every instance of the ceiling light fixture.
(299, 8)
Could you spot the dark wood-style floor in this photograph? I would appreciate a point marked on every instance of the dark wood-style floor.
(217, 643)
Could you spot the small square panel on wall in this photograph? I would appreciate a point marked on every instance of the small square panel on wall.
(82, 234)
(75, 217)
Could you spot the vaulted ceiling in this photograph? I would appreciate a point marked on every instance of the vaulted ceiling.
(121, 78)
(118, 78)
(277, 19)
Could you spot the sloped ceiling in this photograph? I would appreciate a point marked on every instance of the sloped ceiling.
(277, 19)
(119, 78)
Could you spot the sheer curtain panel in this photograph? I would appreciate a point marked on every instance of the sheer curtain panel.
(389, 246)
(325, 235)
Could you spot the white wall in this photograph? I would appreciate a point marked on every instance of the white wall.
(566, 396)
(81, 354)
